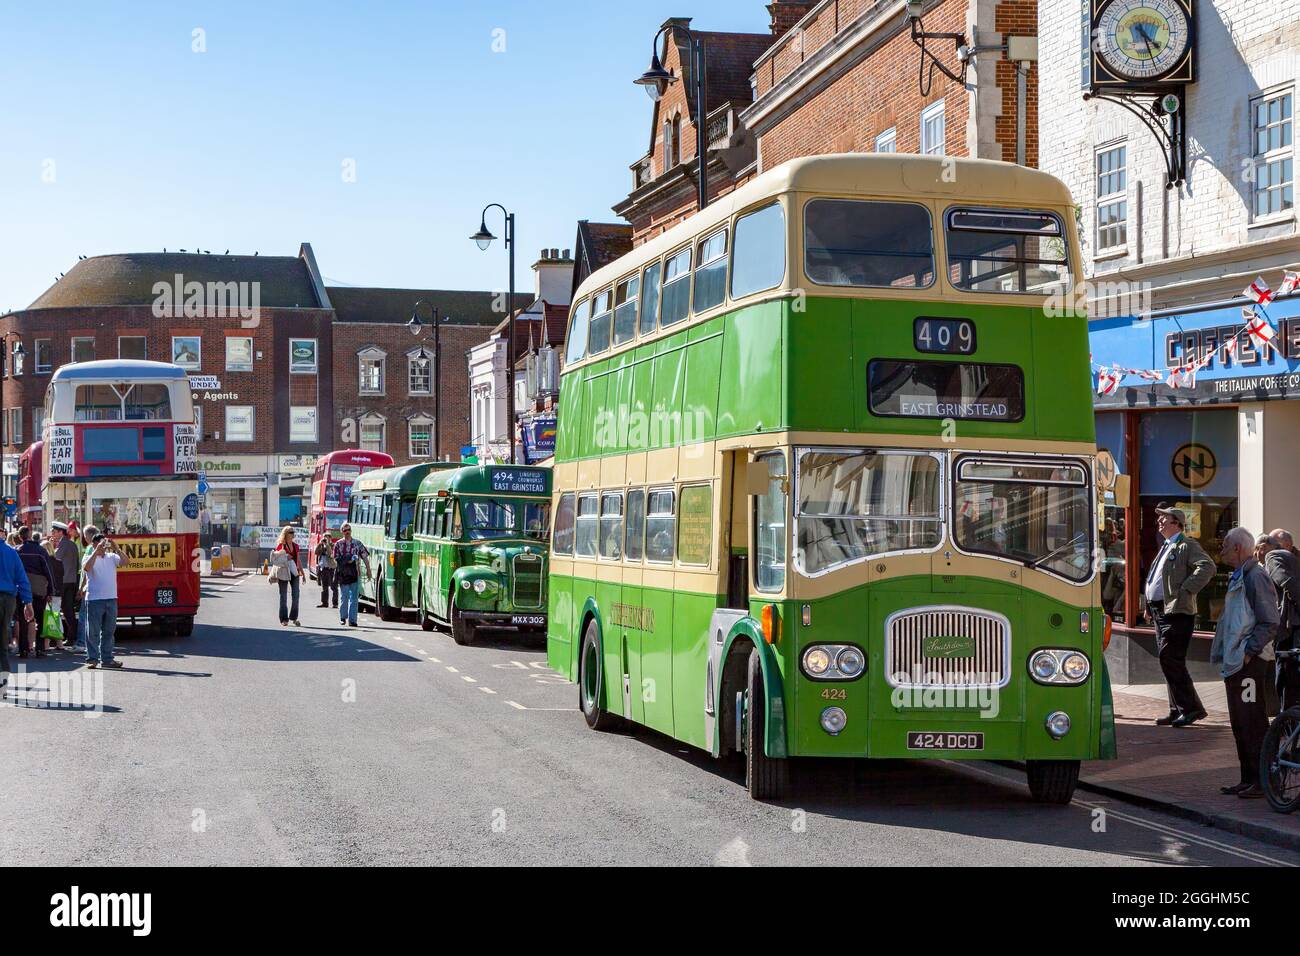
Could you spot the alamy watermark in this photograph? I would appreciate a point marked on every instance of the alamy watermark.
(196, 300)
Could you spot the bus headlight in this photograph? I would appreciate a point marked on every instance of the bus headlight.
(834, 720)
(849, 662)
(1043, 666)
(1059, 666)
(834, 662)
(816, 661)
(1058, 724)
(1075, 667)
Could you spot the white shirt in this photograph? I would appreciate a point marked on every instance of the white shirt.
(101, 580)
(1156, 579)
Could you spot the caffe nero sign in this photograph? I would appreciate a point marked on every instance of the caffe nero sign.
(1253, 373)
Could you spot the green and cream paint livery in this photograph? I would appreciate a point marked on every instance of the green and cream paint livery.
(480, 532)
(803, 551)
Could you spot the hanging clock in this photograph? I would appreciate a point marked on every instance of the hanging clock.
(1142, 44)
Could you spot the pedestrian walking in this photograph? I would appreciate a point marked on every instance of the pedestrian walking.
(66, 557)
(41, 576)
(101, 566)
(15, 591)
(286, 564)
(1284, 571)
(348, 555)
(1180, 570)
(326, 567)
(1243, 646)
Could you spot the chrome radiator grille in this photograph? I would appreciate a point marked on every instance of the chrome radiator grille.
(983, 637)
(527, 581)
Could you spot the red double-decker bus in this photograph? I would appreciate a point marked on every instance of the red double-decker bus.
(120, 453)
(31, 508)
(331, 492)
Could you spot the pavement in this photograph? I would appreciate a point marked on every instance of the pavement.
(252, 743)
(1180, 770)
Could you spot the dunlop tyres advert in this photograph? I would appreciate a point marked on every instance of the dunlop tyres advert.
(147, 554)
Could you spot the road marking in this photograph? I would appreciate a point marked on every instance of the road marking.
(1161, 828)
(467, 679)
(434, 660)
(487, 690)
(452, 669)
(516, 706)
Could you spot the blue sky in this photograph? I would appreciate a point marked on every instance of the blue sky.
(151, 145)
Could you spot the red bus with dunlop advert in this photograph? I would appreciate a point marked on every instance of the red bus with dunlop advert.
(120, 446)
(331, 492)
(30, 482)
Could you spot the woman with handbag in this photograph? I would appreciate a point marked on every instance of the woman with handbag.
(287, 571)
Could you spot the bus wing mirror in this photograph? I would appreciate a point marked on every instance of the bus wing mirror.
(757, 478)
(1123, 487)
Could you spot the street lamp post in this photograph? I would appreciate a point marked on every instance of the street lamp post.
(18, 353)
(656, 80)
(484, 239)
(416, 326)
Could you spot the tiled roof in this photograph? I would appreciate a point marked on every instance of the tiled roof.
(598, 244)
(730, 61)
(394, 306)
(129, 278)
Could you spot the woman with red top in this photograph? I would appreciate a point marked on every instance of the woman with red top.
(287, 571)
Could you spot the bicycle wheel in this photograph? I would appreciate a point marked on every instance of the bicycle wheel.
(1280, 762)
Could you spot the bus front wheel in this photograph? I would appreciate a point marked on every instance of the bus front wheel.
(462, 631)
(1052, 781)
(426, 621)
(591, 682)
(382, 608)
(766, 778)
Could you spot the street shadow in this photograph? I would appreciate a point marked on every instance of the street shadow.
(332, 642)
(506, 639)
(931, 795)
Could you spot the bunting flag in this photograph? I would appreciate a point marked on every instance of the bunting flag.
(1258, 327)
(1107, 382)
(1258, 291)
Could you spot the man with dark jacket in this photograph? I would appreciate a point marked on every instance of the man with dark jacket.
(65, 557)
(1243, 647)
(1284, 571)
(1181, 568)
(45, 582)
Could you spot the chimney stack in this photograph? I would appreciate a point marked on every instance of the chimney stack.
(785, 14)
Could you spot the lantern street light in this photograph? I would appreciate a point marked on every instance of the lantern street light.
(656, 80)
(484, 238)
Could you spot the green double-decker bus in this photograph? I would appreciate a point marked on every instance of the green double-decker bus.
(481, 541)
(824, 476)
(381, 512)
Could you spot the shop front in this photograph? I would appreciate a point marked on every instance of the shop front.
(243, 490)
(1222, 443)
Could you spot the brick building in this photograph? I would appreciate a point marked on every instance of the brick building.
(839, 76)
(275, 361)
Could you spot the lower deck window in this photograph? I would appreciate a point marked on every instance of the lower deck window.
(1038, 512)
(853, 503)
(134, 515)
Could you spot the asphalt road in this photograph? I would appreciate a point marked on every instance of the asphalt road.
(249, 743)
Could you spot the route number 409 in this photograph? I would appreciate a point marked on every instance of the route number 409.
(945, 336)
(834, 693)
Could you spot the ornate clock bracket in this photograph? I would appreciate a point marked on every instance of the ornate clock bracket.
(1164, 114)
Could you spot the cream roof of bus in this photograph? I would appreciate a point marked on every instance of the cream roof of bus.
(901, 175)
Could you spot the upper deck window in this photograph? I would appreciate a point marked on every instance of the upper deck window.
(677, 287)
(711, 273)
(625, 309)
(650, 298)
(142, 401)
(1006, 250)
(578, 332)
(849, 242)
(758, 252)
(601, 320)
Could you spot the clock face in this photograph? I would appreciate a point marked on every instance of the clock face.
(1142, 39)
